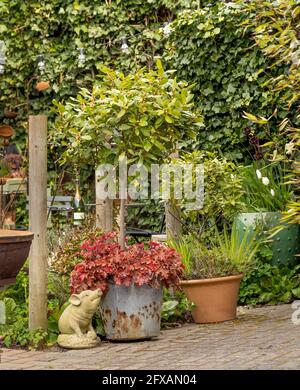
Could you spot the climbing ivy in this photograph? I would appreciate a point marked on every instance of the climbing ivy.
(211, 48)
(57, 29)
(207, 46)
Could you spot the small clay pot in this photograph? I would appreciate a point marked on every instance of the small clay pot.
(42, 85)
(10, 114)
(6, 131)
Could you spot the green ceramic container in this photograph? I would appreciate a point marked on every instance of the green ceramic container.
(285, 244)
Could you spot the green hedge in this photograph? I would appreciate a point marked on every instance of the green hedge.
(57, 29)
(211, 48)
(208, 47)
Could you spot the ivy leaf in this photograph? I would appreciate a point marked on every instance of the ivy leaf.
(86, 137)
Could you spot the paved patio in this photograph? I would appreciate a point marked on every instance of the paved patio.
(261, 338)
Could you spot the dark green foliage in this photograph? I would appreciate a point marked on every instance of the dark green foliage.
(148, 217)
(57, 29)
(269, 284)
(176, 308)
(210, 48)
(16, 332)
(18, 291)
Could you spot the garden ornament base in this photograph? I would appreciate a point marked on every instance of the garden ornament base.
(14, 250)
(72, 341)
(75, 323)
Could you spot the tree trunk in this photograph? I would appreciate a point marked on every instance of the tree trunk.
(104, 207)
(122, 233)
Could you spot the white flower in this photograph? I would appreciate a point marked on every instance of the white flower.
(294, 44)
(296, 57)
(272, 192)
(167, 29)
(289, 148)
(265, 181)
(258, 174)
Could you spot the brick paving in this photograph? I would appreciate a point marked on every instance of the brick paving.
(260, 338)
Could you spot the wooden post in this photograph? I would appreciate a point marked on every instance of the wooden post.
(104, 207)
(38, 221)
(173, 225)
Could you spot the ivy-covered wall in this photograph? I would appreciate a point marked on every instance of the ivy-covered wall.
(208, 46)
(212, 48)
(57, 29)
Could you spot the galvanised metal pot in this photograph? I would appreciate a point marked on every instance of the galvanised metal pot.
(131, 313)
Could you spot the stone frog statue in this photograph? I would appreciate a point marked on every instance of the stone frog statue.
(75, 323)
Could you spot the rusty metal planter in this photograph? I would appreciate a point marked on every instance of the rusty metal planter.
(131, 313)
(14, 250)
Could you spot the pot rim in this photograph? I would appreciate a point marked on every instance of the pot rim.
(12, 236)
(111, 283)
(211, 280)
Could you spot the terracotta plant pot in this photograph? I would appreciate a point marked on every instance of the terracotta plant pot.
(14, 250)
(215, 299)
(42, 85)
(6, 131)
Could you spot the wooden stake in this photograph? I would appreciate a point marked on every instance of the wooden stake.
(122, 233)
(104, 207)
(173, 225)
(38, 221)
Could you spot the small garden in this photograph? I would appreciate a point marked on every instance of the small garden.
(149, 166)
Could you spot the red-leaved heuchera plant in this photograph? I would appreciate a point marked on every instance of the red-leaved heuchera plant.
(153, 264)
